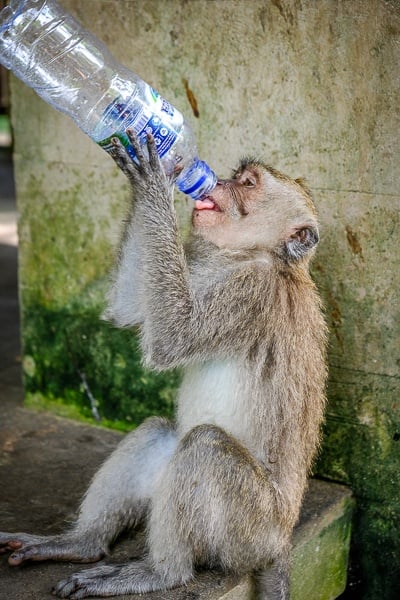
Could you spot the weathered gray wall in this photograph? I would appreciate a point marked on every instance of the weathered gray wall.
(312, 88)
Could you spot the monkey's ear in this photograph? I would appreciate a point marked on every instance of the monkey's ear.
(301, 240)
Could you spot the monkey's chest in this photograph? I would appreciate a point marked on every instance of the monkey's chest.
(213, 393)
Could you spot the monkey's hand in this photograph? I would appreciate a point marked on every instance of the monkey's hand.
(147, 177)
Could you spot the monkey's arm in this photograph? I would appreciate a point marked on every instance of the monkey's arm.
(181, 326)
(125, 297)
(124, 300)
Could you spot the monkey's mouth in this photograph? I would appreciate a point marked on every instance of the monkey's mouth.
(207, 203)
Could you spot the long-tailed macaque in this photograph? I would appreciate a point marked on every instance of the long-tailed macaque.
(223, 485)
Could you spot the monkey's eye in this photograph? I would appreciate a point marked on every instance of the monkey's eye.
(248, 182)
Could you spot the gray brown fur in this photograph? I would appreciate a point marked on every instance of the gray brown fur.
(238, 310)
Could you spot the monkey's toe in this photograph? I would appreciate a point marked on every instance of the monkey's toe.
(9, 545)
(23, 554)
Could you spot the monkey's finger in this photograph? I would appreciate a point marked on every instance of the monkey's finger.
(10, 546)
(71, 588)
(137, 146)
(119, 152)
(37, 553)
(16, 558)
(154, 158)
(121, 157)
(11, 541)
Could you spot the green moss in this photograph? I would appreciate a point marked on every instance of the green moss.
(62, 253)
(376, 550)
(361, 434)
(73, 359)
(5, 128)
(361, 447)
(320, 564)
(65, 408)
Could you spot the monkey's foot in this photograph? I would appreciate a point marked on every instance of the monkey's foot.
(113, 580)
(25, 546)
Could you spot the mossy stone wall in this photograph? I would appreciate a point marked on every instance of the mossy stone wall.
(310, 87)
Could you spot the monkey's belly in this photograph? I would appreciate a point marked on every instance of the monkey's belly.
(212, 393)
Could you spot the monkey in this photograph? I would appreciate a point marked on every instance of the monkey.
(236, 308)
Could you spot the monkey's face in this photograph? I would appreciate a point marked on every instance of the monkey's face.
(258, 208)
(222, 215)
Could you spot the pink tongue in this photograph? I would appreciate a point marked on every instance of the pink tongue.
(204, 204)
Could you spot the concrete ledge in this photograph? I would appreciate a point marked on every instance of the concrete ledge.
(45, 466)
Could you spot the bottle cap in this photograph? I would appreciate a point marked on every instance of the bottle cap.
(199, 180)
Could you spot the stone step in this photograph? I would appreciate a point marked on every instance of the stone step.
(46, 463)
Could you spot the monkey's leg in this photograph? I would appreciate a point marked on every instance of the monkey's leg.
(169, 566)
(272, 583)
(213, 505)
(172, 566)
(117, 498)
(215, 494)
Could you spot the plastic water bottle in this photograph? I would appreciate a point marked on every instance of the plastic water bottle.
(76, 74)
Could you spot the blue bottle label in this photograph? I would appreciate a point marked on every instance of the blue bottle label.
(156, 116)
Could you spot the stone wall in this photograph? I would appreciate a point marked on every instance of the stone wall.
(310, 87)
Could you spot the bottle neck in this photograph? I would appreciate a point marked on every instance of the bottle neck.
(197, 180)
